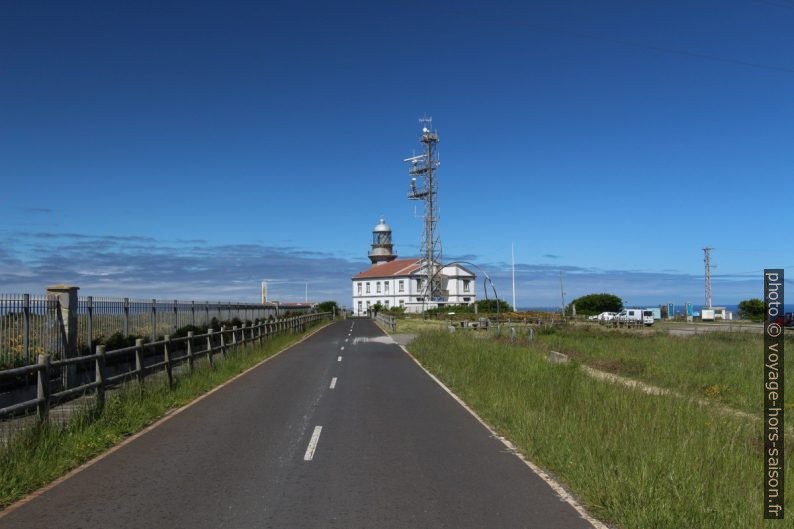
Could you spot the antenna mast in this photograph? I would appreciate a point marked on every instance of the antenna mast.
(423, 168)
(707, 261)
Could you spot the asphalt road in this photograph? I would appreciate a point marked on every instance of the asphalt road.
(394, 451)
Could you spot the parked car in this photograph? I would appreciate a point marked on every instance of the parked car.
(789, 319)
(606, 316)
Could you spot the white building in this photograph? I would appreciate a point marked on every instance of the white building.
(396, 282)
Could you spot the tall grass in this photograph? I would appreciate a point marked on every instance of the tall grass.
(416, 324)
(637, 460)
(724, 367)
(43, 453)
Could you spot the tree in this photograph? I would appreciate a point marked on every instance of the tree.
(593, 304)
(327, 306)
(377, 307)
(752, 309)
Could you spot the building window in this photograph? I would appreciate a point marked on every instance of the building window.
(359, 303)
(367, 306)
(386, 304)
(466, 285)
(359, 288)
(402, 302)
(377, 287)
(402, 285)
(466, 299)
(367, 287)
(386, 287)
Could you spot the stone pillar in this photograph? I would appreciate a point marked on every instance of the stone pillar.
(67, 298)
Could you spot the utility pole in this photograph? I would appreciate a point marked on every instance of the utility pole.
(562, 295)
(307, 292)
(707, 261)
(423, 166)
(513, 251)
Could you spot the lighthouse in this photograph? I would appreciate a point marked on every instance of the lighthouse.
(382, 248)
(400, 284)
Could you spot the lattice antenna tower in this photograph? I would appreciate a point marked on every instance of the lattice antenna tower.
(707, 261)
(424, 187)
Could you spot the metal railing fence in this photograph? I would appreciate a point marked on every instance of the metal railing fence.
(103, 317)
(29, 326)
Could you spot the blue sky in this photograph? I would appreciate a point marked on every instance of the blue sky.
(190, 149)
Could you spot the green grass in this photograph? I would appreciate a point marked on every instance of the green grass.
(636, 460)
(41, 454)
(723, 367)
(416, 324)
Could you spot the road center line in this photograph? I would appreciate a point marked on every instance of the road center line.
(312, 443)
(339, 359)
(333, 383)
(342, 348)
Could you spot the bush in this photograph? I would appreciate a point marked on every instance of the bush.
(752, 309)
(327, 306)
(593, 304)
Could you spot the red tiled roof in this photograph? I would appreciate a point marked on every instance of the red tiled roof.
(398, 267)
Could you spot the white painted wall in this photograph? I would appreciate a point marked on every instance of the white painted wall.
(411, 290)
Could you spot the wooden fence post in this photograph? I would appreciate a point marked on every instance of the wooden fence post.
(139, 359)
(234, 336)
(167, 358)
(99, 376)
(190, 351)
(43, 389)
(209, 345)
(223, 341)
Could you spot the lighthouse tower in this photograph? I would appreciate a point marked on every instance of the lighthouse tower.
(382, 249)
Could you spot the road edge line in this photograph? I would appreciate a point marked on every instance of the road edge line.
(563, 494)
(169, 415)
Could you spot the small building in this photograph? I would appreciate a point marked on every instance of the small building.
(394, 282)
(657, 312)
(715, 313)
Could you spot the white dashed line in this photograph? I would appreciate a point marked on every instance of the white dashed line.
(339, 359)
(312, 444)
(333, 383)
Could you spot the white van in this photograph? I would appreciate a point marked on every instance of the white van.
(635, 316)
